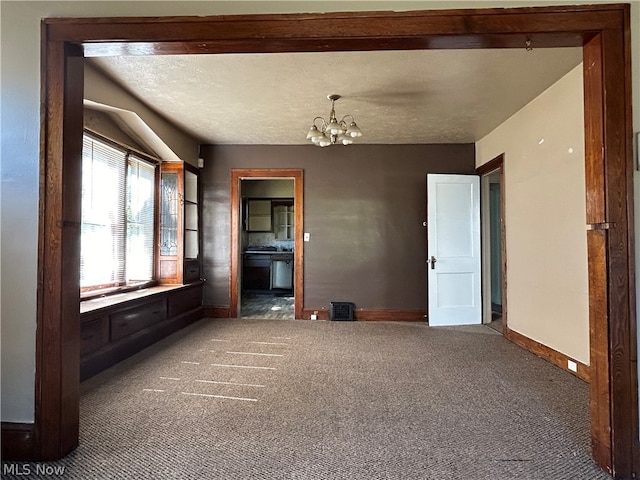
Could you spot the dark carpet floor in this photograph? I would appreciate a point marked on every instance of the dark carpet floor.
(274, 399)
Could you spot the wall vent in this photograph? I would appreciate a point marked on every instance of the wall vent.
(342, 311)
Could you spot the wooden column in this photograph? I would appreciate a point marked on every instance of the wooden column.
(58, 332)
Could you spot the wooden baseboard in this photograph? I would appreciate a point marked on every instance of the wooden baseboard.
(323, 313)
(372, 315)
(547, 353)
(216, 312)
(389, 315)
(18, 442)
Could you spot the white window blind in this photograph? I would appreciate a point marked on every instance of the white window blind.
(140, 216)
(118, 204)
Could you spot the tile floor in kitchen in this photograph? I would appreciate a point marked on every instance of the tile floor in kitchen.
(269, 306)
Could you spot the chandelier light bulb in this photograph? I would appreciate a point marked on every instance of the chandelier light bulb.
(324, 142)
(344, 139)
(353, 130)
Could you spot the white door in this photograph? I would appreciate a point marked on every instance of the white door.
(453, 250)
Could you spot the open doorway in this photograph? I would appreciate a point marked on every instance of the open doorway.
(493, 245)
(267, 245)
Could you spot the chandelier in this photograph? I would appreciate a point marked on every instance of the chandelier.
(325, 133)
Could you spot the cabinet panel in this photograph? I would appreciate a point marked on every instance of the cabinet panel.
(137, 318)
(259, 224)
(184, 300)
(94, 334)
(259, 216)
(134, 324)
(256, 272)
(191, 271)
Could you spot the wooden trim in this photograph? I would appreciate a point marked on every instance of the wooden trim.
(209, 311)
(323, 313)
(619, 210)
(487, 28)
(372, 315)
(491, 165)
(376, 315)
(494, 164)
(603, 30)
(176, 275)
(557, 358)
(599, 356)
(58, 310)
(503, 247)
(18, 441)
(297, 175)
(609, 197)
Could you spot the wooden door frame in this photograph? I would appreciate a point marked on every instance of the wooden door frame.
(602, 30)
(493, 165)
(237, 175)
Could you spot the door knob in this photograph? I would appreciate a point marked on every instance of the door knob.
(432, 261)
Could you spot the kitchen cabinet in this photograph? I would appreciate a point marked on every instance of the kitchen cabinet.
(256, 272)
(283, 219)
(267, 271)
(259, 215)
(180, 224)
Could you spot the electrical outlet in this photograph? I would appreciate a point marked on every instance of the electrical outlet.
(571, 365)
(314, 316)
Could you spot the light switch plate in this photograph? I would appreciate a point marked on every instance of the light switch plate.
(307, 236)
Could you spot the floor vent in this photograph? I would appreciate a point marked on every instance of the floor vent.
(342, 311)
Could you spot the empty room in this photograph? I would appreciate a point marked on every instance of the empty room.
(278, 244)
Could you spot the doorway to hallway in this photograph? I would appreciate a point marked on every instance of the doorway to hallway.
(493, 244)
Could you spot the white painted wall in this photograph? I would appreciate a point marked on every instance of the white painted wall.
(20, 121)
(547, 282)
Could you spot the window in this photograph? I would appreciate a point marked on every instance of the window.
(118, 217)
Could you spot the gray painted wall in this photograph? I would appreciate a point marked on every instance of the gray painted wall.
(363, 206)
(267, 188)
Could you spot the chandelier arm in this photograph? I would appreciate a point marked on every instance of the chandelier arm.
(345, 117)
(323, 125)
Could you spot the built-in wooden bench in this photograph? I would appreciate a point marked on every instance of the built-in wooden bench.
(115, 327)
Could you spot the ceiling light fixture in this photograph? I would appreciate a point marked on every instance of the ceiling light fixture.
(328, 133)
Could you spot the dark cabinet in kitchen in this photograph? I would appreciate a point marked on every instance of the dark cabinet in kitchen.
(256, 272)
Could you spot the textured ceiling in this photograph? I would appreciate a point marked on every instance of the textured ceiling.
(420, 96)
